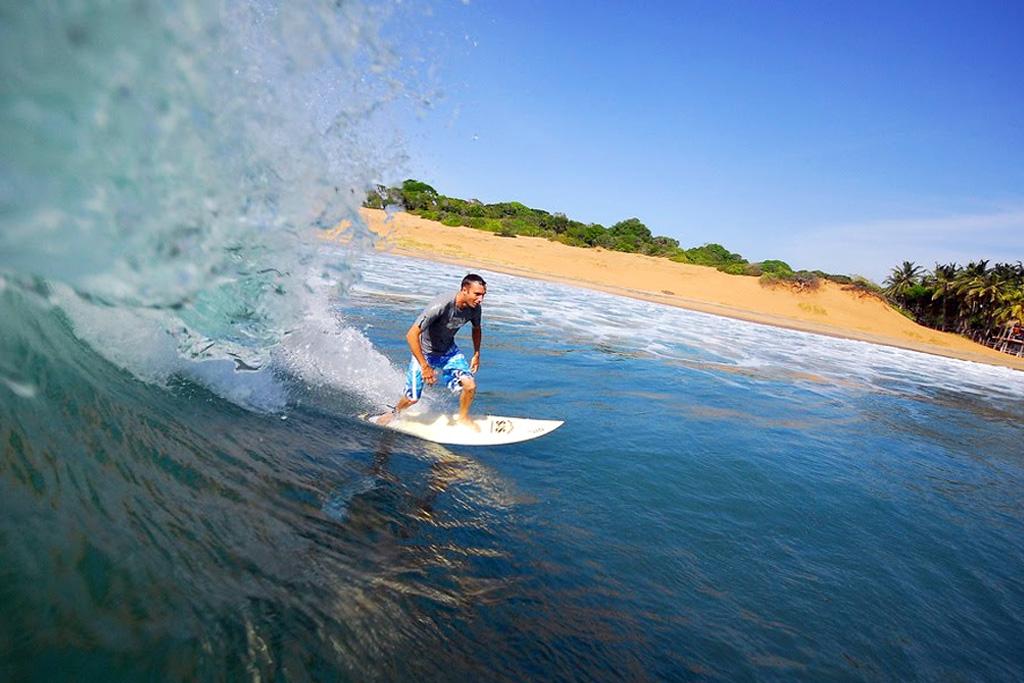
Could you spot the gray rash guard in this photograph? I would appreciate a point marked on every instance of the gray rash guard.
(439, 322)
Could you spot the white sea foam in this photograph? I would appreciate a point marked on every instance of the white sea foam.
(595, 318)
(144, 343)
(320, 351)
(323, 351)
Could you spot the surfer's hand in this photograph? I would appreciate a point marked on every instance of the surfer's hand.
(429, 375)
(474, 364)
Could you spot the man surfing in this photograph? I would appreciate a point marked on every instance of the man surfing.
(436, 356)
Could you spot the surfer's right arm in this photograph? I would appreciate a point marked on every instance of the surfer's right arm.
(412, 338)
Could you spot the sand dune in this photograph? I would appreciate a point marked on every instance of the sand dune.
(828, 310)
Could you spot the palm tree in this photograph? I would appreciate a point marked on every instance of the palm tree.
(969, 284)
(1009, 304)
(902, 279)
(944, 282)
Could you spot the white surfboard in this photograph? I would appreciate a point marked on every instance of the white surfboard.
(495, 430)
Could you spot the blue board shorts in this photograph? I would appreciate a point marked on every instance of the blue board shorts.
(451, 367)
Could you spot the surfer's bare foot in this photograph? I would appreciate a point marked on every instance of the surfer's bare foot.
(468, 422)
(385, 419)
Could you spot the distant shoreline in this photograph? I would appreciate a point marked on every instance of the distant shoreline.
(829, 310)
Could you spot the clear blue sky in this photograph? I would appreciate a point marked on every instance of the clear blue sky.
(842, 136)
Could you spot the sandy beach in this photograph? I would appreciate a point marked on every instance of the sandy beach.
(828, 310)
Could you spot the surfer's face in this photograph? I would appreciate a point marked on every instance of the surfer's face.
(473, 294)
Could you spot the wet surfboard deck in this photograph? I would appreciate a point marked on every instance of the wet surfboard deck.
(495, 430)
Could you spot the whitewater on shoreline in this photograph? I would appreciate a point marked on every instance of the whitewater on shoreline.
(829, 310)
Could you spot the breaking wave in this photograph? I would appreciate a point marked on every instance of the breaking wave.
(166, 171)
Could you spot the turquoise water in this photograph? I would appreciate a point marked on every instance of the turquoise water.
(725, 501)
(185, 494)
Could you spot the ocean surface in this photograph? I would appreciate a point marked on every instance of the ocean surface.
(726, 500)
(185, 493)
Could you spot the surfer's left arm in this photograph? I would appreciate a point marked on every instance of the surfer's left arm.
(478, 336)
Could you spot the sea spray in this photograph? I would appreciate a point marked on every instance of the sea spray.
(168, 165)
(152, 150)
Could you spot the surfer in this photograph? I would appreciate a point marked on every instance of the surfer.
(436, 356)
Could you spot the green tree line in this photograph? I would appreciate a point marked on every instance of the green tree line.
(975, 300)
(510, 219)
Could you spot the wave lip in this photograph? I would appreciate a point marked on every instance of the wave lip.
(152, 152)
(168, 167)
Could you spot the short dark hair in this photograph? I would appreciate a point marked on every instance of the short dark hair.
(471, 278)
